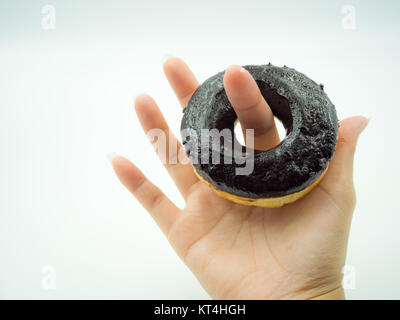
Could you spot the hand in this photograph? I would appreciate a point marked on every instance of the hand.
(242, 252)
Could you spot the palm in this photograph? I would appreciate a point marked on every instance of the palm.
(240, 251)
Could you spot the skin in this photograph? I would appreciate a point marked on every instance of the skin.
(242, 252)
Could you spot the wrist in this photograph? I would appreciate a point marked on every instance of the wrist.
(335, 294)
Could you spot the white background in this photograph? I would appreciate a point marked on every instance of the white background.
(66, 101)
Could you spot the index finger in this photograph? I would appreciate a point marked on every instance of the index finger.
(181, 79)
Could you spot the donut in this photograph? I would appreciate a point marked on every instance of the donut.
(280, 175)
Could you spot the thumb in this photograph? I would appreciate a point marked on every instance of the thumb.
(339, 177)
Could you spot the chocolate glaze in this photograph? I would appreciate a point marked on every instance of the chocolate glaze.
(307, 114)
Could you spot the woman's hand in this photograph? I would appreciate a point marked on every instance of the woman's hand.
(241, 252)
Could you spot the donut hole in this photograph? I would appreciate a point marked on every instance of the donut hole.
(239, 133)
(222, 116)
(279, 126)
(282, 115)
(279, 104)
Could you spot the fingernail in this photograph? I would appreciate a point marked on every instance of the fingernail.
(111, 156)
(243, 69)
(166, 57)
(137, 96)
(365, 124)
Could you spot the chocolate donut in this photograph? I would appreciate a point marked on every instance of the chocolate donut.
(280, 175)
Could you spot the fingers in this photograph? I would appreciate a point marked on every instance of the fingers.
(181, 79)
(152, 199)
(252, 110)
(168, 150)
(339, 178)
